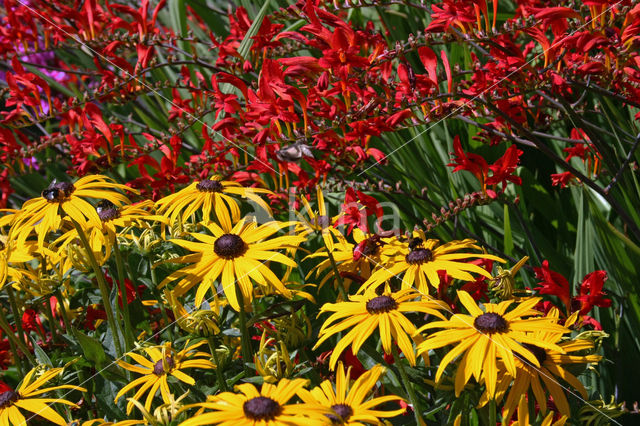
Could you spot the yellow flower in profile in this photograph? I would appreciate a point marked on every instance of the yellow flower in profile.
(12, 254)
(421, 259)
(354, 261)
(369, 312)
(318, 220)
(44, 214)
(211, 196)
(11, 402)
(237, 255)
(484, 337)
(164, 362)
(113, 220)
(549, 374)
(348, 400)
(267, 407)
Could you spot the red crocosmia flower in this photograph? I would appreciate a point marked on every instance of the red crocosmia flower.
(350, 360)
(504, 168)
(479, 287)
(590, 321)
(352, 210)
(561, 179)
(4, 387)
(94, 313)
(31, 322)
(591, 293)
(470, 162)
(553, 283)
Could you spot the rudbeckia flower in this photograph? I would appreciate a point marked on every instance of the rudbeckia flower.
(549, 374)
(236, 254)
(11, 402)
(318, 220)
(485, 336)
(421, 259)
(368, 312)
(113, 219)
(267, 407)
(211, 196)
(164, 362)
(524, 420)
(44, 214)
(348, 400)
(12, 254)
(354, 261)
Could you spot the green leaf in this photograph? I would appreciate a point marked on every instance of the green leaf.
(40, 354)
(92, 348)
(508, 238)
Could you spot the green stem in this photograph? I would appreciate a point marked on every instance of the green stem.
(17, 342)
(128, 329)
(246, 351)
(158, 297)
(334, 265)
(104, 289)
(63, 312)
(407, 385)
(492, 412)
(222, 384)
(16, 358)
(16, 314)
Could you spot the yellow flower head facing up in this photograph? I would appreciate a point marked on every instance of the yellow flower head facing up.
(550, 375)
(212, 196)
(11, 402)
(61, 199)
(486, 336)
(236, 256)
(349, 400)
(369, 312)
(268, 406)
(162, 362)
(420, 259)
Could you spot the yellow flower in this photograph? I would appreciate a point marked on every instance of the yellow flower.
(200, 322)
(354, 261)
(44, 214)
(209, 194)
(484, 337)
(318, 221)
(164, 362)
(267, 407)
(421, 260)
(547, 376)
(237, 255)
(368, 312)
(12, 254)
(112, 219)
(523, 416)
(348, 401)
(11, 402)
(272, 363)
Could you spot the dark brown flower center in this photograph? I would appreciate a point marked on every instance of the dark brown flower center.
(107, 211)
(209, 186)
(418, 256)
(381, 304)
(158, 368)
(7, 398)
(491, 323)
(343, 411)
(58, 192)
(2, 246)
(261, 408)
(537, 351)
(229, 246)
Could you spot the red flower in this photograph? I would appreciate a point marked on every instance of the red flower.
(561, 179)
(352, 212)
(504, 168)
(553, 283)
(591, 293)
(473, 163)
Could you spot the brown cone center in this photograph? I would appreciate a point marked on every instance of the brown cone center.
(537, 351)
(418, 256)
(209, 186)
(7, 398)
(58, 192)
(343, 411)
(229, 246)
(381, 304)
(107, 211)
(158, 368)
(261, 408)
(491, 323)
